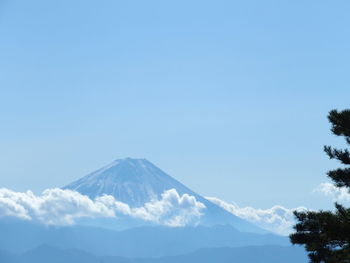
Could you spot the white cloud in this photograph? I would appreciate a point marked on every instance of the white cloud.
(62, 207)
(172, 209)
(277, 219)
(337, 194)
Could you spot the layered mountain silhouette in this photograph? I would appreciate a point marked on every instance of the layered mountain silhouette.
(138, 181)
(263, 254)
(20, 236)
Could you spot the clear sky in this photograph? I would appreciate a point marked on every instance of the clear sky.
(229, 97)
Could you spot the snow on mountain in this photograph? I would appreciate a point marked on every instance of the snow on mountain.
(131, 181)
(138, 181)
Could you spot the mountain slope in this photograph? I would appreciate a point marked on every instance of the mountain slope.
(131, 181)
(137, 181)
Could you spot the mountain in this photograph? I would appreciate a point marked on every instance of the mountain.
(158, 241)
(138, 181)
(270, 254)
(131, 181)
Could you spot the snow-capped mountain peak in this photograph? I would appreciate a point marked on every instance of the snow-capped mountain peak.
(132, 181)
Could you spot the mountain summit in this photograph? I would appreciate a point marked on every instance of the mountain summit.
(132, 181)
(138, 181)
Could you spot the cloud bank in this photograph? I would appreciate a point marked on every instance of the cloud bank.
(63, 207)
(277, 219)
(337, 194)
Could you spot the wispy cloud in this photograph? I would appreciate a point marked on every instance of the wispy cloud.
(63, 207)
(277, 219)
(337, 194)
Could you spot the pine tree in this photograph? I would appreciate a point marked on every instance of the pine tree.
(326, 234)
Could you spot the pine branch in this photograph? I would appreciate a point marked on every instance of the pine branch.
(342, 155)
(340, 123)
(341, 177)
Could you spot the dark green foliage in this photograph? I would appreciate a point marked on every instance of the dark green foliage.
(341, 177)
(340, 123)
(341, 155)
(326, 234)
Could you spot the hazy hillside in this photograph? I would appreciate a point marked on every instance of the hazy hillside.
(263, 254)
(20, 236)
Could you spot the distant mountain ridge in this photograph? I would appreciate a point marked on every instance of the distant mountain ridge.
(137, 181)
(158, 241)
(263, 254)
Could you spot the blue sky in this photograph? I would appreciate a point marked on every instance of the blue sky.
(229, 97)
